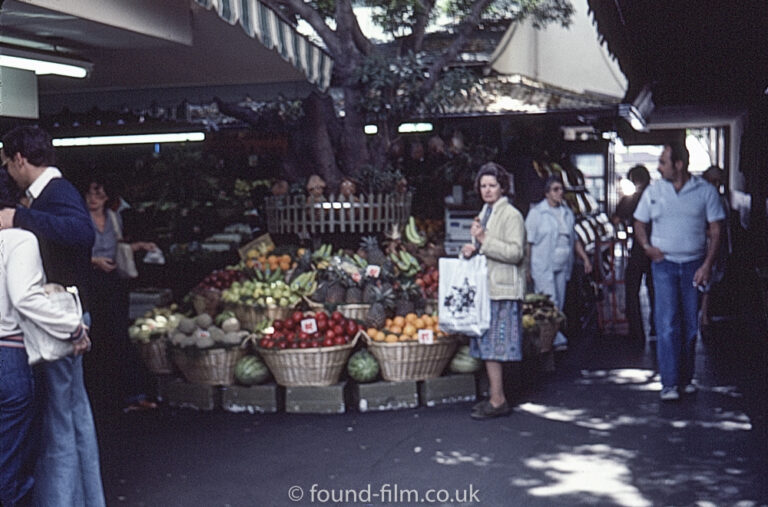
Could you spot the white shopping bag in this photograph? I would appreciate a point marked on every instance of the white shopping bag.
(464, 304)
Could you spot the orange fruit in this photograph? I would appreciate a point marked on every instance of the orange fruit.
(388, 323)
(419, 323)
(409, 329)
(391, 338)
(396, 329)
(380, 336)
(404, 338)
(372, 331)
(399, 321)
(411, 317)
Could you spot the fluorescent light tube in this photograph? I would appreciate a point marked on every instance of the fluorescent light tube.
(42, 67)
(414, 127)
(180, 137)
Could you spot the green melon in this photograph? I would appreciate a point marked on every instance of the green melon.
(462, 362)
(251, 370)
(363, 367)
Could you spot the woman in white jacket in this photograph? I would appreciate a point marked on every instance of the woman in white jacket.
(24, 305)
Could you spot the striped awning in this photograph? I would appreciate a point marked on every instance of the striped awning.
(263, 24)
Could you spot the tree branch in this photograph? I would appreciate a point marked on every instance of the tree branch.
(416, 39)
(466, 27)
(315, 20)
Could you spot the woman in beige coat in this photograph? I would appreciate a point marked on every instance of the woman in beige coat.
(499, 234)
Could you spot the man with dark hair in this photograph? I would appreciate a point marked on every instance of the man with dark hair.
(67, 471)
(638, 265)
(684, 210)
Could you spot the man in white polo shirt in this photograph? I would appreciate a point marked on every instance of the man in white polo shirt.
(683, 210)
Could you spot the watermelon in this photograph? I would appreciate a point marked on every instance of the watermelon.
(363, 367)
(251, 370)
(462, 362)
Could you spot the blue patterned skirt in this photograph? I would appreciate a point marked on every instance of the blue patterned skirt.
(504, 339)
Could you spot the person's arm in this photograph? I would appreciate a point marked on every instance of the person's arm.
(25, 279)
(579, 249)
(641, 236)
(701, 277)
(528, 273)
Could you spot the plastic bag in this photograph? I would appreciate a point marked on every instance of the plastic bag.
(464, 303)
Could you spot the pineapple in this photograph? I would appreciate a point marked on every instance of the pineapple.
(369, 292)
(354, 293)
(384, 300)
(373, 253)
(409, 293)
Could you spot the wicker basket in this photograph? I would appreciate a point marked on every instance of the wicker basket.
(412, 360)
(155, 356)
(314, 305)
(206, 301)
(215, 367)
(354, 311)
(308, 367)
(249, 316)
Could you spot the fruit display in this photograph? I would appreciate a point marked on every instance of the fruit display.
(251, 370)
(221, 279)
(429, 281)
(539, 308)
(412, 233)
(363, 367)
(154, 324)
(265, 294)
(463, 362)
(405, 328)
(310, 330)
(201, 333)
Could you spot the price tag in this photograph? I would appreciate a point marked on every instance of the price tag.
(356, 277)
(202, 333)
(373, 270)
(309, 326)
(426, 336)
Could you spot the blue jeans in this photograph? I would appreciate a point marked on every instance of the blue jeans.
(67, 471)
(16, 416)
(676, 306)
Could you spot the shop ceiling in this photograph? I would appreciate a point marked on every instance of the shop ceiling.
(191, 54)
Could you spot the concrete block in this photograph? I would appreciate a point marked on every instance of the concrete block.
(196, 396)
(385, 396)
(262, 399)
(454, 388)
(315, 399)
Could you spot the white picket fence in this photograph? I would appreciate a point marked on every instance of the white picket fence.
(299, 214)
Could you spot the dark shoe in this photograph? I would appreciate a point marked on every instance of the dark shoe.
(479, 405)
(488, 411)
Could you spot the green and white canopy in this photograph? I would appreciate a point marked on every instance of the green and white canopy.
(263, 24)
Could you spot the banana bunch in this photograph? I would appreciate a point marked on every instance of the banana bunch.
(412, 233)
(322, 256)
(268, 275)
(359, 261)
(305, 284)
(406, 263)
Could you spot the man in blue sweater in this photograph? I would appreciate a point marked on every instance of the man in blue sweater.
(67, 471)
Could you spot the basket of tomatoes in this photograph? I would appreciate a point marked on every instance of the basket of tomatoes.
(309, 348)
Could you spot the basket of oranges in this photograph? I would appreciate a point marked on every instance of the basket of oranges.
(411, 347)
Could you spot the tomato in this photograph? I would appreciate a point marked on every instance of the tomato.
(321, 316)
(278, 325)
(339, 340)
(338, 330)
(303, 336)
(281, 344)
(266, 343)
(293, 345)
(337, 316)
(304, 345)
(330, 334)
(328, 342)
(290, 336)
(315, 343)
(297, 317)
(322, 325)
(351, 327)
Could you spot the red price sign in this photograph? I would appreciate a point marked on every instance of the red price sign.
(309, 326)
(373, 270)
(426, 336)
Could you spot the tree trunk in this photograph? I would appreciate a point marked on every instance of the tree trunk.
(319, 121)
(354, 147)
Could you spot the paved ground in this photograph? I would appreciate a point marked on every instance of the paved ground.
(593, 433)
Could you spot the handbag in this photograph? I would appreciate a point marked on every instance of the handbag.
(464, 301)
(125, 263)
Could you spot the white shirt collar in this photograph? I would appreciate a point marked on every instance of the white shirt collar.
(37, 186)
